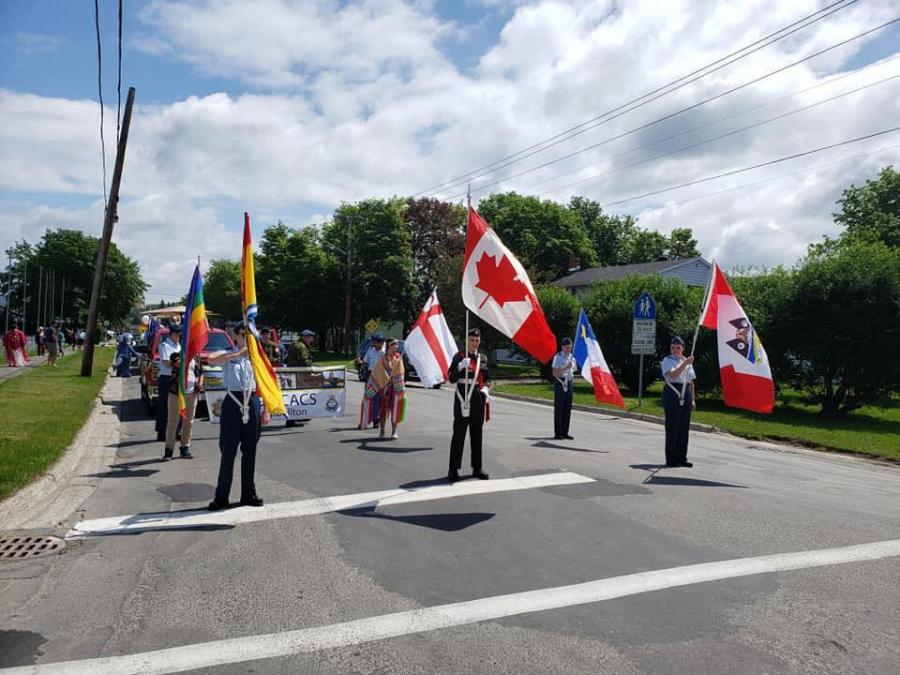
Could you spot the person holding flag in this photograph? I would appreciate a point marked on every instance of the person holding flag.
(678, 401)
(468, 371)
(563, 376)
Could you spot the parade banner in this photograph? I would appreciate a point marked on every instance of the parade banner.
(306, 393)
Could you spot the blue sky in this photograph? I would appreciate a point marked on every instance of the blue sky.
(286, 109)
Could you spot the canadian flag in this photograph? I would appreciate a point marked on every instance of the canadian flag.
(743, 364)
(496, 287)
(594, 368)
(430, 345)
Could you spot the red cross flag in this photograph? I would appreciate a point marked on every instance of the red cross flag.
(430, 345)
(496, 287)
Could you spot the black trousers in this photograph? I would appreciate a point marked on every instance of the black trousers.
(562, 408)
(678, 424)
(163, 382)
(233, 433)
(473, 424)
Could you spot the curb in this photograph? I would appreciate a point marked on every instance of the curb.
(50, 499)
(695, 426)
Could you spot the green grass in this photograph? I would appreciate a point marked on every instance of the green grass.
(871, 430)
(41, 411)
(332, 359)
(515, 370)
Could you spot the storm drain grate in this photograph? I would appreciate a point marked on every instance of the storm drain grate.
(19, 548)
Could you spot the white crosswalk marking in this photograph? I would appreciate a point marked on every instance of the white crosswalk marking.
(238, 516)
(254, 647)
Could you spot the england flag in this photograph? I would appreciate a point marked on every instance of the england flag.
(430, 345)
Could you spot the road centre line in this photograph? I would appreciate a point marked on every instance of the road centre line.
(166, 520)
(307, 640)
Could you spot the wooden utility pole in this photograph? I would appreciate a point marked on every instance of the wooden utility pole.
(87, 357)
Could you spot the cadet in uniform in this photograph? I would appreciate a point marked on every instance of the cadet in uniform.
(468, 414)
(240, 423)
(563, 374)
(678, 402)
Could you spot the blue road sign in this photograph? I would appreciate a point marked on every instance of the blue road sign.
(644, 307)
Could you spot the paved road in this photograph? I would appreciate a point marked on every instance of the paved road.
(203, 584)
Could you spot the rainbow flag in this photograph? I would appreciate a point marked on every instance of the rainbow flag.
(194, 335)
(266, 382)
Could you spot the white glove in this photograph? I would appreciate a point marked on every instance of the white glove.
(487, 393)
(463, 364)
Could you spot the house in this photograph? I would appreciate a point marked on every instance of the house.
(691, 271)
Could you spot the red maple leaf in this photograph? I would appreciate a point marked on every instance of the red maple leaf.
(499, 280)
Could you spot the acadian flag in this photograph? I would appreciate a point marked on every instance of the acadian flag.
(594, 368)
(194, 335)
(266, 382)
(743, 364)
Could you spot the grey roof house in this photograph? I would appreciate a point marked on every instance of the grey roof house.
(691, 271)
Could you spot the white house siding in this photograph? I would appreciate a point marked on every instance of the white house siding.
(692, 273)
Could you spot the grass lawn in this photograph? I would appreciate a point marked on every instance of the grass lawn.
(332, 359)
(40, 413)
(515, 370)
(871, 430)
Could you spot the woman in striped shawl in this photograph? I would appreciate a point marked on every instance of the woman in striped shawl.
(385, 392)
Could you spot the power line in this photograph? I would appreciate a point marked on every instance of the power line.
(705, 125)
(672, 86)
(721, 136)
(755, 166)
(707, 100)
(100, 95)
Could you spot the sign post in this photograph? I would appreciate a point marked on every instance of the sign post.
(643, 334)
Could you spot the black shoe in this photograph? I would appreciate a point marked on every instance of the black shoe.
(252, 500)
(185, 453)
(167, 455)
(480, 474)
(687, 465)
(558, 438)
(672, 466)
(569, 438)
(216, 505)
(453, 476)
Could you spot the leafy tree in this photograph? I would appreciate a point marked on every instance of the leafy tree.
(682, 244)
(843, 325)
(872, 212)
(644, 246)
(607, 233)
(542, 234)
(222, 289)
(436, 231)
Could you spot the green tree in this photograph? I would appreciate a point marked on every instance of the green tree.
(561, 309)
(843, 325)
(222, 289)
(644, 246)
(607, 233)
(872, 212)
(436, 232)
(682, 244)
(544, 235)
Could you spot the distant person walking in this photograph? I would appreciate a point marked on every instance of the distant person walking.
(124, 352)
(191, 394)
(39, 341)
(385, 393)
(169, 345)
(51, 338)
(14, 342)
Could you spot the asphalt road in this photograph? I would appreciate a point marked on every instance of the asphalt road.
(191, 585)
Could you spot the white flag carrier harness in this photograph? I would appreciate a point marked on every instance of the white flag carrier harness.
(565, 381)
(464, 402)
(243, 405)
(678, 393)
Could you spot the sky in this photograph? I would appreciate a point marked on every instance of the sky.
(285, 109)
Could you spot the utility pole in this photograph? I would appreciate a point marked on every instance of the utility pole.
(8, 288)
(24, 292)
(348, 348)
(87, 357)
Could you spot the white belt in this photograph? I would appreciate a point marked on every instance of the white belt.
(245, 409)
(464, 402)
(678, 393)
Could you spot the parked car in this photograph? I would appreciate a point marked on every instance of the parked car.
(362, 370)
(217, 340)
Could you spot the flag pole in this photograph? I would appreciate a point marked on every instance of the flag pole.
(704, 305)
(466, 336)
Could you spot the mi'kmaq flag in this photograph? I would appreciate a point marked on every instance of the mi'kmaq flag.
(589, 358)
(496, 287)
(430, 345)
(743, 364)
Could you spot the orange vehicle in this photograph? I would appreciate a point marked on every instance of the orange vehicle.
(218, 340)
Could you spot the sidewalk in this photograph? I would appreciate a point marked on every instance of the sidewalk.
(33, 362)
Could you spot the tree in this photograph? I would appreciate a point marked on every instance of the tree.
(436, 231)
(382, 273)
(872, 212)
(682, 244)
(222, 289)
(606, 233)
(561, 309)
(544, 235)
(843, 325)
(644, 246)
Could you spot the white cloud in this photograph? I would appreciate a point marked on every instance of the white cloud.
(36, 43)
(346, 101)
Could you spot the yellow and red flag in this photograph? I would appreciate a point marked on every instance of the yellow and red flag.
(266, 381)
(194, 335)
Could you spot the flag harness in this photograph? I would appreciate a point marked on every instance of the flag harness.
(680, 393)
(464, 402)
(565, 382)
